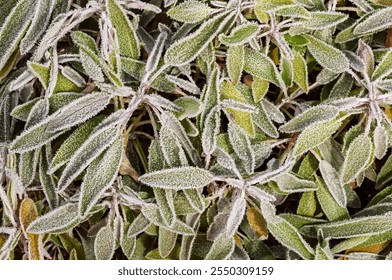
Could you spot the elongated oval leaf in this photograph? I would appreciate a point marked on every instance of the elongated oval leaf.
(104, 244)
(240, 34)
(332, 180)
(190, 11)
(328, 56)
(376, 22)
(100, 175)
(58, 220)
(222, 248)
(178, 178)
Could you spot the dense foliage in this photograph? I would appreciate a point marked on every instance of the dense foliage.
(240, 129)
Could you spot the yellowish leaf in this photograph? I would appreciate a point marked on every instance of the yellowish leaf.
(257, 223)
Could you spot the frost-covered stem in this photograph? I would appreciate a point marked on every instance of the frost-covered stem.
(275, 144)
(349, 9)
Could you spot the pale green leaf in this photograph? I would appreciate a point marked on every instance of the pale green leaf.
(190, 11)
(104, 244)
(323, 20)
(333, 183)
(378, 21)
(240, 35)
(222, 248)
(166, 242)
(235, 62)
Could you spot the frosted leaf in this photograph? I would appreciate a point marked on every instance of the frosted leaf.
(139, 225)
(166, 242)
(187, 242)
(47, 181)
(22, 111)
(328, 204)
(342, 87)
(162, 102)
(104, 244)
(165, 202)
(291, 184)
(273, 112)
(195, 199)
(73, 76)
(294, 11)
(323, 20)
(128, 246)
(384, 68)
(184, 84)
(238, 105)
(91, 67)
(100, 176)
(40, 21)
(151, 212)
(13, 29)
(355, 61)
(240, 142)
(325, 76)
(211, 95)
(286, 69)
(315, 135)
(191, 107)
(378, 21)
(58, 220)
(333, 183)
(380, 139)
(222, 248)
(272, 5)
(300, 72)
(364, 226)
(259, 194)
(289, 236)
(311, 116)
(91, 148)
(173, 153)
(241, 34)
(236, 214)
(328, 56)
(259, 89)
(72, 143)
(190, 11)
(210, 131)
(384, 176)
(28, 163)
(263, 121)
(323, 253)
(78, 111)
(34, 137)
(178, 178)
(262, 67)
(156, 52)
(235, 62)
(188, 48)
(358, 156)
(365, 52)
(126, 35)
(385, 84)
(266, 176)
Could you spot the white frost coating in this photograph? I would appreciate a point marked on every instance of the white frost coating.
(184, 84)
(290, 183)
(234, 104)
(104, 244)
(376, 22)
(78, 111)
(155, 54)
(59, 220)
(178, 178)
(190, 11)
(240, 142)
(381, 142)
(333, 183)
(211, 131)
(313, 115)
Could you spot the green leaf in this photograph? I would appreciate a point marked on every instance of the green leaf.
(333, 183)
(381, 144)
(291, 184)
(190, 105)
(210, 131)
(358, 156)
(272, 5)
(300, 71)
(313, 115)
(323, 20)
(235, 62)
(83, 156)
(58, 220)
(330, 207)
(222, 248)
(14, 28)
(365, 226)
(178, 178)
(385, 174)
(100, 176)
(126, 35)
(78, 111)
(47, 181)
(165, 202)
(72, 143)
(240, 35)
(166, 242)
(294, 11)
(139, 225)
(104, 244)
(384, 68)
(262, 67)
(315, 135)
(289, 236)
(240, 142)
(328, 56)
(190, 11)
(188, 48)
(378, 21)
(259, 89)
